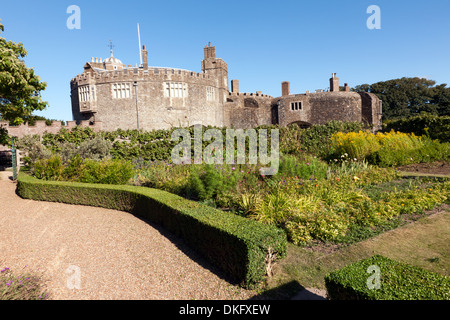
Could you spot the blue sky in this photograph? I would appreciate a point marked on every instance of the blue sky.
(263, 42)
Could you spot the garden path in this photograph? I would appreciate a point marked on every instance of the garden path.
(114, 254)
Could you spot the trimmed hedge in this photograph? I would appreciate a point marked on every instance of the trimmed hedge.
(398, 281)
(240, 247)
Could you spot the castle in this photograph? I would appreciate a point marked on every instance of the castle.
(147, 98)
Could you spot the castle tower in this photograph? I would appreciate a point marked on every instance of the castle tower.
(217, 68)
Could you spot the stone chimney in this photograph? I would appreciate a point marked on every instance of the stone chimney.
(346, 87)
(285, 88)
(210, 52)
(235, 86)
(144, 58)
(334, 83)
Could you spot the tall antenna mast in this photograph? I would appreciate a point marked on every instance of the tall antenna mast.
(140, 50)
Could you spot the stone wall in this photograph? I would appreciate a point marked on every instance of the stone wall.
(321, 107)
(247, 110)
(41, 127)
(371, 109)
(343, 106)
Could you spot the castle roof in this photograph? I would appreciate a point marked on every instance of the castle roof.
(112, 60)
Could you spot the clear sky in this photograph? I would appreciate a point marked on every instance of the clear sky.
(263, 42)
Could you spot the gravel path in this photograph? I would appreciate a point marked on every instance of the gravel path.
(118, 256)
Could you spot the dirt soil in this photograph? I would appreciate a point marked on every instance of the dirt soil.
(439, 168)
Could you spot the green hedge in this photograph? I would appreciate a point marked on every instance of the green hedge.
(398, 281)
(238, 246)
(436, 127)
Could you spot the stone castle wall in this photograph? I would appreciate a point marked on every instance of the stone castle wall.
(41, 127)
(155, 109)
(247, 110)
(321, 107)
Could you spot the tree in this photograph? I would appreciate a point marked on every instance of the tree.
(19, 86)
(409, 97)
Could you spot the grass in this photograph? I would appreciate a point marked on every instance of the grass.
(423, 243)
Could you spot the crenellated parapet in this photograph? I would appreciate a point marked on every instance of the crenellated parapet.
(41, 127)
(248, 95)
(137, 74)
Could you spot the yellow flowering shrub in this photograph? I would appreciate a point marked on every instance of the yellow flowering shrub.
(386, 149)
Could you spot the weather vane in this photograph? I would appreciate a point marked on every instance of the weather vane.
(111, 46)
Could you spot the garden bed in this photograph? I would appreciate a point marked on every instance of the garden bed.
(335, 184)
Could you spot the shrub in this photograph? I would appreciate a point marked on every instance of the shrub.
(388, 149)
(314, 140)
(304, 167)
(398, 281)
(33, 148)
(242, 248)
(106, 171)
(83, 170)
(48, 169)
(97, 148)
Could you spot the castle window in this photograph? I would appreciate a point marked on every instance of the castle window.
(296, 105)
(210, 93)
(121, 90)
(175, 89)
(86, 93)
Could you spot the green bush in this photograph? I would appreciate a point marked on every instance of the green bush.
(33, 148)
(83, 170)
(48, 169)
(242, 248)
(157, 144)
(398, 281)
(314, 140)
(97, 148)
(305, 167)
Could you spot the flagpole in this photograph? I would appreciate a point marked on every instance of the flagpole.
(140, 50)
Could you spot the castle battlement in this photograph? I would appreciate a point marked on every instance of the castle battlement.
(246, 94)
(41, 127)
(134, 74)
